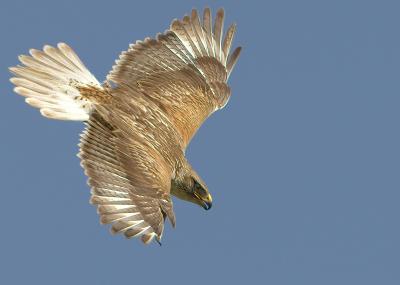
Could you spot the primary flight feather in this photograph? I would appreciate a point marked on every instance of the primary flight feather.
(141, 119)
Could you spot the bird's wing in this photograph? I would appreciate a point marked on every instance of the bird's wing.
(184, 70)
(129, 181)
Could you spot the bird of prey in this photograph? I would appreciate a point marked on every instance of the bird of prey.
(140, 120)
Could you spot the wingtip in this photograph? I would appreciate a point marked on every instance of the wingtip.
(62, 45)
(47, 48)
(174, 24)
(21, 57)
(15, 69)
(172, 220)
(13, 80)
(186, 18)
(32, 51)
(112, 231)
(233, 59)
(18, 90)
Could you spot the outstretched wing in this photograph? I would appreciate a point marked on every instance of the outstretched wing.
(184, 71)
(129, 181)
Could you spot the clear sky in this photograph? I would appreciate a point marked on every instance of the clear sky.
(303, 163)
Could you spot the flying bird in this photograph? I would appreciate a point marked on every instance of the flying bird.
(140, 120)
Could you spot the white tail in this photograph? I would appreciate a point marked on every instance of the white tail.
(49, 79)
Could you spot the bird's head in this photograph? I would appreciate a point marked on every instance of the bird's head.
(192, 188)
(200, 193)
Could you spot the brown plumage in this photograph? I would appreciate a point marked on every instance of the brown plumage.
(140, 121)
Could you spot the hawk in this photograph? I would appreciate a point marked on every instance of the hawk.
(140, 120)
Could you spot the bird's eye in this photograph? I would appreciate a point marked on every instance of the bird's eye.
(195, 185)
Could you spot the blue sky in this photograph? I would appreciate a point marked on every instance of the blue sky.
(303, 163)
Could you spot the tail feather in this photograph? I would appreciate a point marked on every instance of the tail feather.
(51, 81)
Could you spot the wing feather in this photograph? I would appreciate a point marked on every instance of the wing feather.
(218, 28)
(200, 33)
(183, 70)
(228, 42)
(232, 60)
(128, 204)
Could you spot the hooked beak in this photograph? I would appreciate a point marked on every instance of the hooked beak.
(207, 205)
(205, 202)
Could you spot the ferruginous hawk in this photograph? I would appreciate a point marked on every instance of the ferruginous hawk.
(141, 119)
